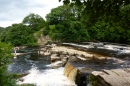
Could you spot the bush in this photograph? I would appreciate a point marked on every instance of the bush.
(5, 55)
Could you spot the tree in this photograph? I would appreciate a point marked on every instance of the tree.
(107, 20)
(1, 29)
(19, 34)
(23, 33)
(99, 8)
(110, 10)
(34, 21)
(5, 55)
(3, 33)
(64, 24)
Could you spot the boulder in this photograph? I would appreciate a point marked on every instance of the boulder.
(55, 57)
(56, 64)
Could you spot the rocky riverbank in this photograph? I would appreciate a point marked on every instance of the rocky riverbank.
(90, 64)
(83, 61)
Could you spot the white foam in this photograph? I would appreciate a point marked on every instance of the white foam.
(49, 77)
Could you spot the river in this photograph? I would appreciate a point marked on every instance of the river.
(39, 69)
(42, 74)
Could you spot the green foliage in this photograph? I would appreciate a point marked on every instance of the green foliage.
(38, 34)
(34, 21)
(94, 81)
(81, 20)
(5, 55)
(27, 85)
(64, 24)
(19, 34)
(46, 29)
(23, 33)
(94, 9)
(3, 33)
(105, 20)
(111, 32)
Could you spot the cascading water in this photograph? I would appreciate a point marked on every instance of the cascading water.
(41, 73)
(39, 69)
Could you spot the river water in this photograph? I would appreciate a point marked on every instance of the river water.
(39, 69)
(41, 73)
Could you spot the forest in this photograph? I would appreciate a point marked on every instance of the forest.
(75, 21)
(68, 23)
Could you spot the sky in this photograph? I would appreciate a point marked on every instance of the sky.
(14, 11)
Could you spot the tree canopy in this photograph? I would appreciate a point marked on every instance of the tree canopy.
(105, 20)
(64, 25)
(34, 21)
(100, 7)
(19, 34)
(80, 20)
(23, 33)
(93, 10)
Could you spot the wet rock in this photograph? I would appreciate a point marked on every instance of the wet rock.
(82, 61)
(22, 75)
(64, 52)
(114, 77)
(82, 58)
(57, 64)
(55, 57)
(70, 71)
(43, 49)
(47, 53)
(73, 58)
(64, 59)
(76, 74)
(21, 79)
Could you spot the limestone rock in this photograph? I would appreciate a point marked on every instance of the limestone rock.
(114, 77)
(56, 64)
(54, 58)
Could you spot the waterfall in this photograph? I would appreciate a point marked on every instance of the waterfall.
(40, 72)
(48, 77)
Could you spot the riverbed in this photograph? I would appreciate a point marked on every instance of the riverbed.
(40, 72)
(39, 69)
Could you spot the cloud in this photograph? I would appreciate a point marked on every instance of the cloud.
(13, 11)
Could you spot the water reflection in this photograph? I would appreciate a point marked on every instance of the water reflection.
(25, 62)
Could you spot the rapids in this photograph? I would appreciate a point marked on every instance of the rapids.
(39, 69)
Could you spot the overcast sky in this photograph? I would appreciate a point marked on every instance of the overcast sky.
(13, 11)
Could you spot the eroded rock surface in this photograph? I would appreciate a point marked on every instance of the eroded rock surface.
(104, 61)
